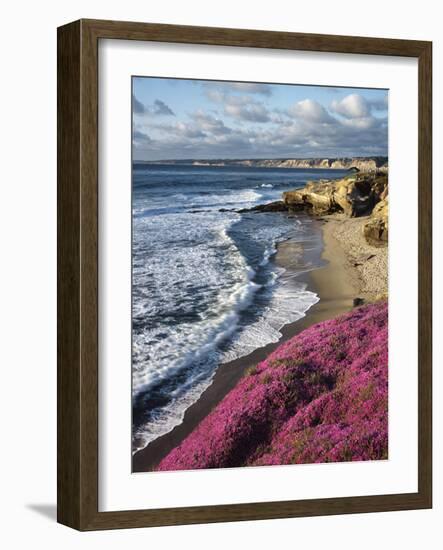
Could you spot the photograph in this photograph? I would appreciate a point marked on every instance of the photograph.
(259, 274)
(244, 271)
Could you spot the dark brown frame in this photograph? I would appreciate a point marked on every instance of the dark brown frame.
(77, 455)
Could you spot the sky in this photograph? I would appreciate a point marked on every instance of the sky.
(196, 119)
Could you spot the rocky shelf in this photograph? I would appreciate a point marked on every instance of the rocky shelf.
(357, 194)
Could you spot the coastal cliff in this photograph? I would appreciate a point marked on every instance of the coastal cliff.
(361, 194)
(319, 397)
(358, 195)
(363, 164)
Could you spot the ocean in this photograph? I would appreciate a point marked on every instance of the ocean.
(205, 287)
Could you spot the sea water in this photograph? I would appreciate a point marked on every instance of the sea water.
(205, 288)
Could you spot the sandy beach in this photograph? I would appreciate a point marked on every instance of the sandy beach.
(353, 269)
(367, 265)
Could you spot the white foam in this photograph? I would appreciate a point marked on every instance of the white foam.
(170, 417)
(288, 304)
(188, 264)
(225, 283)
(269, 252)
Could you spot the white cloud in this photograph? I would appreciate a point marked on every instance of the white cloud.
(210, 123)
(250, 113)
(362, 123)
(306, 128)
(352, 106)
(189, 130)
(241, 107)
(310, 110)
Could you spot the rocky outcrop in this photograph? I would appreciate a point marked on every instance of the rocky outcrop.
(316, 197)
(375, 229)
(277, 206)
(355, 195)
(358, 194)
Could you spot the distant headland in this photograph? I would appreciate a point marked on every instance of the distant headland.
(365, 164)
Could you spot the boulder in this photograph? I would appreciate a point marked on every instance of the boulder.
(375, 230)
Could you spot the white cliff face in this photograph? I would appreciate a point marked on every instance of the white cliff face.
(363, 164)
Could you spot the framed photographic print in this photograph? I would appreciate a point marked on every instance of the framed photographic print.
(244, 275)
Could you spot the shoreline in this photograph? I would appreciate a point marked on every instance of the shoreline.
(337, 284)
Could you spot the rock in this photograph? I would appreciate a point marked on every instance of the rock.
(375, 229)
(355, 195)
(342, 193)
(360, 260)
(316, 197)
(358, 196)
(277, 206)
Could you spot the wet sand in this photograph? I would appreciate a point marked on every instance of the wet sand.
(337, 283)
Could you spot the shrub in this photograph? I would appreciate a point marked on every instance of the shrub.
(319, 397)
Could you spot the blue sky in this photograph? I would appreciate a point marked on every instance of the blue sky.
(182, 119)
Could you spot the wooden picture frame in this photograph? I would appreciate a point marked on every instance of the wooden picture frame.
(78, 274)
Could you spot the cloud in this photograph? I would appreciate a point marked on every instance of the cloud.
(188, 130)
(140, 140)
(250, 88)
(137, 106)
(351, 106)
(362, 123)
(250, 113)
(209, 123)
(241, 107)
(296, 137)
(182, 129)
(159, 108)
(311, 111)
(305, 129)
(379, 104)
(247, 87)
(356, 113)
(201, 125)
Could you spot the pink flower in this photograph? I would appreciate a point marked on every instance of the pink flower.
(320, 397)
